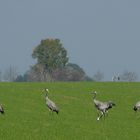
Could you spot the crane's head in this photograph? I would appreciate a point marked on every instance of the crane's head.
(46, 90)
(94, 92)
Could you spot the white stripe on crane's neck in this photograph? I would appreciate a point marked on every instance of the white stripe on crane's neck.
(46, 97)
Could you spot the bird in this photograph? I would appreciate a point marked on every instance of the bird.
(103, 107)
(50, 104)
(136, 106)
(1, 109)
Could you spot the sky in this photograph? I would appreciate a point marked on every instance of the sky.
(99, 35)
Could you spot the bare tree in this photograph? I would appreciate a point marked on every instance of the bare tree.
(99, 76)
(129, 76)
(38, 73)
(10, 74)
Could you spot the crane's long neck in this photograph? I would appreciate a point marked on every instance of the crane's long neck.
(46, 97)
(94, 96)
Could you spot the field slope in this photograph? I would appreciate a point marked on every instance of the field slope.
(27, 117)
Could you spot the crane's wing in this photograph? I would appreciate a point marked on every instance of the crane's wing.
(52, 106)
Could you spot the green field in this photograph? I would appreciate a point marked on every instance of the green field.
(27, 117)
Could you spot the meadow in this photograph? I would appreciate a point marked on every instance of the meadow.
(27, 117)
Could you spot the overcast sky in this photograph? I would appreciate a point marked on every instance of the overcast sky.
(97, 34)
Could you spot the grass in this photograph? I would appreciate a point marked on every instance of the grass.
(27, 118)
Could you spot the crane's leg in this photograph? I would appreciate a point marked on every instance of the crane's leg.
(100, 116)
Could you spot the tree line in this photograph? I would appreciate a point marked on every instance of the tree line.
(52, 64)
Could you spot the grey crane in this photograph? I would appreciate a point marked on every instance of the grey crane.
(50, 104)
(103, 107)
(137, 106)
(1, 109)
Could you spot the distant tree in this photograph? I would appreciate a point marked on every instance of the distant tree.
(21, 78)
(129, 76)
(52, 64)
(88, 78)
(50, 55)
(74, 72)
(71, 72)
(38, 73)
(98, 76)
(59, 74)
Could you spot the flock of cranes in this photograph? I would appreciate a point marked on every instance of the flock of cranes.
(102, 107)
